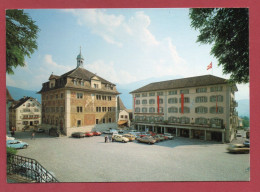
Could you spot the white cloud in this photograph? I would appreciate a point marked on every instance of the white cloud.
(53, 66)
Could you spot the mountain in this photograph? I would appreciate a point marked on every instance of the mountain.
(243, 107)
(18, 93)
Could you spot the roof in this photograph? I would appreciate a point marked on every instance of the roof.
(54, 77)
(84, 74)
(121, 105)
(8, 96)
(182, 83)
(21, 101)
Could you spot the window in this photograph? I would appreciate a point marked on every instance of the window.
(137, 110)
(79, 95)
(173, 110)
(36, 110)
(144, 101)
(137, 95)
(184, 91)
(216, 88)
(104, 109)
(217, 110)
(126, 116)
(96, 121)
(78, 123)
(57, 109)
(98, 109)
(82, 83)
(57, 96)
(214, 97)
(26, 110)
(75, 82)
(61, 95)
(201, 121)
(201, 110)
(121, 116)
(95, 86)
(144, 110)
(159, 93)
(185, 110)
(160, 101)
(151, 110)
(61, 109)
(109, 109)
(184, 120)
(186, 100)
(172, 119)
(98, 97)
(160, 109)
(151, 94)
(144, 94)
(28, 104)
(151, 101)
(172, 100)
(201, 99)
(216, 121)
(201, 90)
(172, 92)
(137, 102)
(52, 85)
(104, 97)
(25, 122)
(104, 120)
(109, 98)
(79, 109)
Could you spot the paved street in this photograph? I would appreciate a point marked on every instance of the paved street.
(92, 160)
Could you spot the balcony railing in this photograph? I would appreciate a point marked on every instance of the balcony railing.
(28, 168)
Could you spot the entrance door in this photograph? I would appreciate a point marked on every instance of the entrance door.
(216, 136)
(31, 123)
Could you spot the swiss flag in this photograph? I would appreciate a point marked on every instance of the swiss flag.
(209, 66)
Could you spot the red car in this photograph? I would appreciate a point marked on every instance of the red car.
(96, 133)
(89, 134)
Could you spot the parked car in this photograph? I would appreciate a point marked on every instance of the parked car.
(40, 130)
(9, 138)
(89, 134)
(247, 143)
(159, 137)
(78, 134)
(134, 133)
(238, 148)
(16, 144)
(96, 133)
(111, 131)
(147, 139)
(169, 136)
(130, 137)
(120, 138)
(120, 131)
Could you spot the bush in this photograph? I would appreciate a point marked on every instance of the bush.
(9, 151)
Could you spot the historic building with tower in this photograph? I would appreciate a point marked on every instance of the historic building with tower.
(78, 100)
(202, 107)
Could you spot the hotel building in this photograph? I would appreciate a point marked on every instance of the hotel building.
(202, 107)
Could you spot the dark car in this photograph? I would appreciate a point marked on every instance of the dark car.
(78, 134)
(247, 143)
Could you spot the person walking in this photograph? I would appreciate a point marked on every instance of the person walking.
(105, 139)
(33, 135)
(110, 138)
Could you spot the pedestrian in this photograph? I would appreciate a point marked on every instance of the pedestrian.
(33, 135)
(12, 132)
(110, 138)
(105, 139)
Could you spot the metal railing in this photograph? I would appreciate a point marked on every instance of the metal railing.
(28, 168)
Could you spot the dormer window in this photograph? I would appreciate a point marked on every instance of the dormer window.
(75, 82)
(95, 86)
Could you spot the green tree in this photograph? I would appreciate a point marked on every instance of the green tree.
(21, 35)
(227, 29)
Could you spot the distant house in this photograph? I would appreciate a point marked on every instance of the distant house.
(25, 113)
(240, 122)
(9, 101)
(124, 116)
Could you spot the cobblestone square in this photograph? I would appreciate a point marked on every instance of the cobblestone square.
(92, 160)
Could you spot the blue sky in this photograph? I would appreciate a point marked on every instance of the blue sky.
(120, 45)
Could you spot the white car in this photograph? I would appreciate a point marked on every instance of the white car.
(169, 136)
(9, 138)
(120, 138)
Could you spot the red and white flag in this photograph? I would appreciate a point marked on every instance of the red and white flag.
(209, 66)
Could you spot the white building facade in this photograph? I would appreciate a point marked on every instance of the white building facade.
(200, 107)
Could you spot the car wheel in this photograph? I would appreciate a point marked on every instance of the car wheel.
(25, 146)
